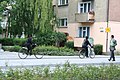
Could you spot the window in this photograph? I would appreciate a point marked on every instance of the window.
(63, 22)
(84, 31)
(62, 2)
(84, 7)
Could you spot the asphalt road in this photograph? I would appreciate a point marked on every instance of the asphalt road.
(11, 59)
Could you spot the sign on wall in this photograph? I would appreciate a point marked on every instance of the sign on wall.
(101, 29)
(108, 29)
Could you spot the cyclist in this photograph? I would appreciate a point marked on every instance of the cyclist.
(85, 45)
(29, 43)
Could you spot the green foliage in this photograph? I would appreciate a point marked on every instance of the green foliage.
(12, 41)
(46, 16)
(2, 75)
(42, 39)
(70, 44)
(3, 5)
(11, 48)
(98, 49)
(50, 38)
(52, 50)
(31, 16)
(19, 41)
(7, 41)
(0, 29)
(67, 72)
(45, 39)
(59, 36)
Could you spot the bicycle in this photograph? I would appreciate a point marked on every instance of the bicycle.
(23, 53)
(91, 53)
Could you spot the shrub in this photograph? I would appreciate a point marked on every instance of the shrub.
(60, 38)
(50, 38)
(0, 29)
(98, 49)
(16, 48)
(11, 48)
(70, 44)
(54, 38)
(19, 41)
(7, 41)
(52, 50)
(6, 48)
(12, 41)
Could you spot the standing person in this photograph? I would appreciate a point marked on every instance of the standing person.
(85, 45)
(29, 43)
(113, 43)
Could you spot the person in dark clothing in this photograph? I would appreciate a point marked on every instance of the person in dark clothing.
(85, 45)
(29, 43)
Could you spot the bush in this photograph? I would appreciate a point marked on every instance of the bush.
(0, 29)
(52, 50)
(50, 38)
(46, 50)
(7, 41)
(11, 48)
(19, 41)
(60, 39)
(70, 44)
(54, 38)
(98, 49)
(12, 41)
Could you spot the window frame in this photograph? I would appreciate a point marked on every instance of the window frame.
(81, 32)
(65, 23)
(60, 3)
(83, 7)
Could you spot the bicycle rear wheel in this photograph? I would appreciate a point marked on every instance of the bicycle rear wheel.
(39, 55)
(82, 53)
(22, 53)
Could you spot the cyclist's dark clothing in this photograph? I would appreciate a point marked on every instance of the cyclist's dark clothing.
(29, 43)
(85, 46)
(86, 43)
(29, 40)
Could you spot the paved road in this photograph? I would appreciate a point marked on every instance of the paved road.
(11, 59)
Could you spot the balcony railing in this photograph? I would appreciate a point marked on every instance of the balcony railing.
(85, 17)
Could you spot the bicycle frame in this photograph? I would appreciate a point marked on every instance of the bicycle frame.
(23, 53)
(89, 50)
(91, 53)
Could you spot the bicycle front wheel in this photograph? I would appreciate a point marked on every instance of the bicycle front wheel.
(22, 53)
(82, 54)
(39, 55)
(92, 55)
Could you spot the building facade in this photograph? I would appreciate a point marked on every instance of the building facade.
(98, 19)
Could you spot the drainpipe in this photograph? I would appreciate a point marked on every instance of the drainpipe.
(107, 26)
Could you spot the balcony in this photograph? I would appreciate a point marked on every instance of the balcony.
(85, 17)
(78, 42)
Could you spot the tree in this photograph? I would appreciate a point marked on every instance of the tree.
(31, 16)
(3, 5)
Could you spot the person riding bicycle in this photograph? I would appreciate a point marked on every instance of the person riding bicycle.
(85, 45)
(29, 43)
